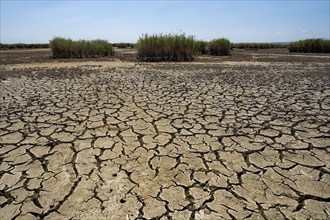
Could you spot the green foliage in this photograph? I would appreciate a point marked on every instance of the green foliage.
(313, 45)
(218, 47)
(256, 46)
(200, 47)
(22, 46)
(165, 48)
(67, 48)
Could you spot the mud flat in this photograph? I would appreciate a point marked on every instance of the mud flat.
(239, 137)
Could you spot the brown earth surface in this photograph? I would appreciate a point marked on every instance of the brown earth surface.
(239, 137)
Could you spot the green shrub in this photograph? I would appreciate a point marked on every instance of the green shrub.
(218, 47)
(313, 45)
(165, 48)
(200, 47)
(67, 48)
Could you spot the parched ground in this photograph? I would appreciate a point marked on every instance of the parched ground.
(239, 137)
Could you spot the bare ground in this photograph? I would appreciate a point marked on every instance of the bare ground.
(238, 137)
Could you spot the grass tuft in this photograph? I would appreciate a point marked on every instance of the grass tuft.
(218, 47)
(165, 47)
(67, 48)
(313, 45)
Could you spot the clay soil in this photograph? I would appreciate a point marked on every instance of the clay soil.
(239, 137)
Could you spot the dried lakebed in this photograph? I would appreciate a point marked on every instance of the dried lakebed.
(121, 140)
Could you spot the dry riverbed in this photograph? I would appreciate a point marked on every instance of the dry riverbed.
(239, 137)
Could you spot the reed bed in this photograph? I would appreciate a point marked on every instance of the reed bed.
(22, 46)
(219, 47)
(67, 48)
(123, 45)
(165, 47)
(312, 45)
(257, 46)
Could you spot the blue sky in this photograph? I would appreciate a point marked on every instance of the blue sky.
(124, 21)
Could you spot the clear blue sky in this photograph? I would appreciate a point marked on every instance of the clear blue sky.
(124, 21)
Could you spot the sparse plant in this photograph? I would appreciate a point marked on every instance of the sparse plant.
(218, 47)
(67, 48)
(167, 47)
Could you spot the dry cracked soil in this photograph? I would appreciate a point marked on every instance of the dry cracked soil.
(239, 137)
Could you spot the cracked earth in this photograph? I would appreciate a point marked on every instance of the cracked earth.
(127, 140)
